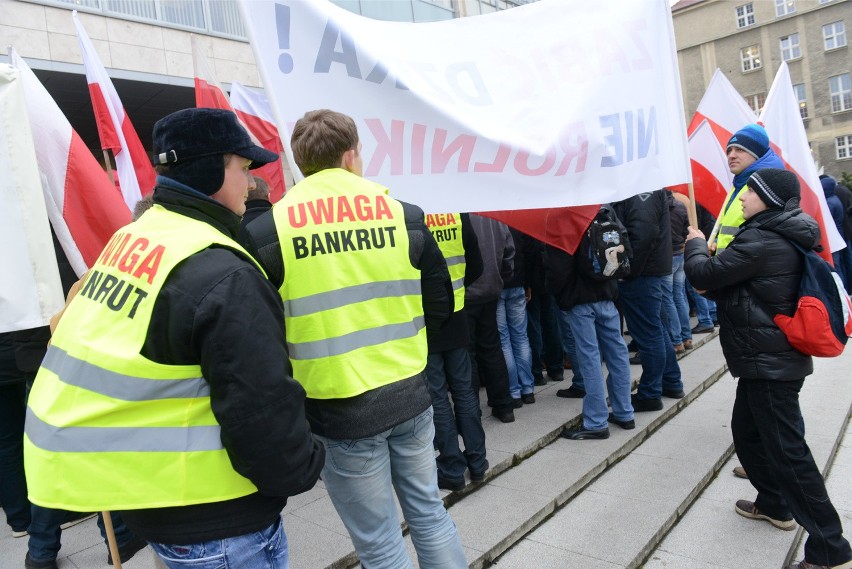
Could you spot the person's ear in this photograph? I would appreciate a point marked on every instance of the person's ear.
(348, 160)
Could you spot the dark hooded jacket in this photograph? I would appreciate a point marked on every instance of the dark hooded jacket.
(646, 218)
(753, 279)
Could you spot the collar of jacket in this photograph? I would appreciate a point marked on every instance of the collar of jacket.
(181, 199)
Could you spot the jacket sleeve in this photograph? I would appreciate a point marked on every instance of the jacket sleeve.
(472, 254)
(260, 238)
(436, 286)
(242, 351)
(735, 264)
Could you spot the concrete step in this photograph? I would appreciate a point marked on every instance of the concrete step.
(669, 504)
(712, 536)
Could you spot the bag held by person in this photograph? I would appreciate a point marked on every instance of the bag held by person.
(822, 321)
(607, 249)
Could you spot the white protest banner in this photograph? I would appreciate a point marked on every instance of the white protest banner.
(549, 104)
(30, 289)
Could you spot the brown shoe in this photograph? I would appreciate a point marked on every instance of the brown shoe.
(748, 510)
(805, 565)
(740, 472)
(687, 344)
(679, 349)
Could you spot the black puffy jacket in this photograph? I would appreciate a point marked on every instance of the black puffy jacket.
(753, 279)
(646, 218)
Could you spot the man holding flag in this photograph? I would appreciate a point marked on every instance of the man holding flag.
(748, 151)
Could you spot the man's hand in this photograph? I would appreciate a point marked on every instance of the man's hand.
(693, 233)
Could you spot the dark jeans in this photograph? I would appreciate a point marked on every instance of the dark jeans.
(543, 331)
(642, 301)
(767, 430)
(452, 368)
(13, 485)
(486, 353)
(46, 535)
(570, 347)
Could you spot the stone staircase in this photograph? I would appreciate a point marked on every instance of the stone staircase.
(659, 496)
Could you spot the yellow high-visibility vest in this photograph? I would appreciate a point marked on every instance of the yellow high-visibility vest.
(107, 428)
(352, 300)
(446, 228)
(730, 219)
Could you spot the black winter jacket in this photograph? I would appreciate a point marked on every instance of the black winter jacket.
(569, 284)
(646, 218)
(679, 223)
(216, 309)
(753, 279)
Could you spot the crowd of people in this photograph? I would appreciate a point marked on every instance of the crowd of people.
(326, 336)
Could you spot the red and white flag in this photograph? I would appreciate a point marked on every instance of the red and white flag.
(788, 138)
(724, 111)
(83, 205)
(209, 93)
(255, 113)
(561, 227)
(136, 176)
(30, 289)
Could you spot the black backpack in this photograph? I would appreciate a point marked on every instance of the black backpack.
(605, 251)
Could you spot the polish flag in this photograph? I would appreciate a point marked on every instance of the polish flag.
(783, 123)
(209, 93)
(562, 227)
(83, 205)
(30, 288)
(136, 176)
(724, 111)
(255, 113)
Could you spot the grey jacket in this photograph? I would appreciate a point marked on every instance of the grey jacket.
(498, 253)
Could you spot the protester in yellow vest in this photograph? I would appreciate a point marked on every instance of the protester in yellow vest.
(362, 279)
(748, 151)
(448, 365)
(154, 398)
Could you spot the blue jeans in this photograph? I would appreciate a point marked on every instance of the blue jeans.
(360, 475)
(46, 535)
(597, 330)
(543, 331)
(679, 294)
(570, 347)
(264, 549)
(13, 484)
(670, 320)
(512, 326)
(642, 302)
(452, 368)
(705, 309)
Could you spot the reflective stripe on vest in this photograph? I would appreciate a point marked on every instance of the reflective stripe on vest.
(108, 429)
(446, 228)
(730, 221)
(352, 300)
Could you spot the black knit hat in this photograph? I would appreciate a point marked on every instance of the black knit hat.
(775, 186)
(192, 142)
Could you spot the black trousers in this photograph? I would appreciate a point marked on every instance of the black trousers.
(486, 355)
(770, 443)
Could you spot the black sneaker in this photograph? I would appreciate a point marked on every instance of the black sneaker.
(581, 434)
(672, 394)
(635, 360)
(702, 329)
(451, 485)
(571, 393)
(30, 563)
(640, 405)
(528, 398)
(517, 403)
(626, 425)
(479, 475)
(556, 375)
(507, 416)
(540, 380)
(128, 550)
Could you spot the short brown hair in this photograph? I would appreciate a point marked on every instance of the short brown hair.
(320, 138)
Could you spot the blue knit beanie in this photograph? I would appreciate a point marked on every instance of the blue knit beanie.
(752, 138)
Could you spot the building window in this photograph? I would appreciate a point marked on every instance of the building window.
(784, 7)
(745, 15)
(750, 58)
(834, 35)
(843, 146)
(790, 47)
(799, 89)
(756, 101)
(841, 93)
